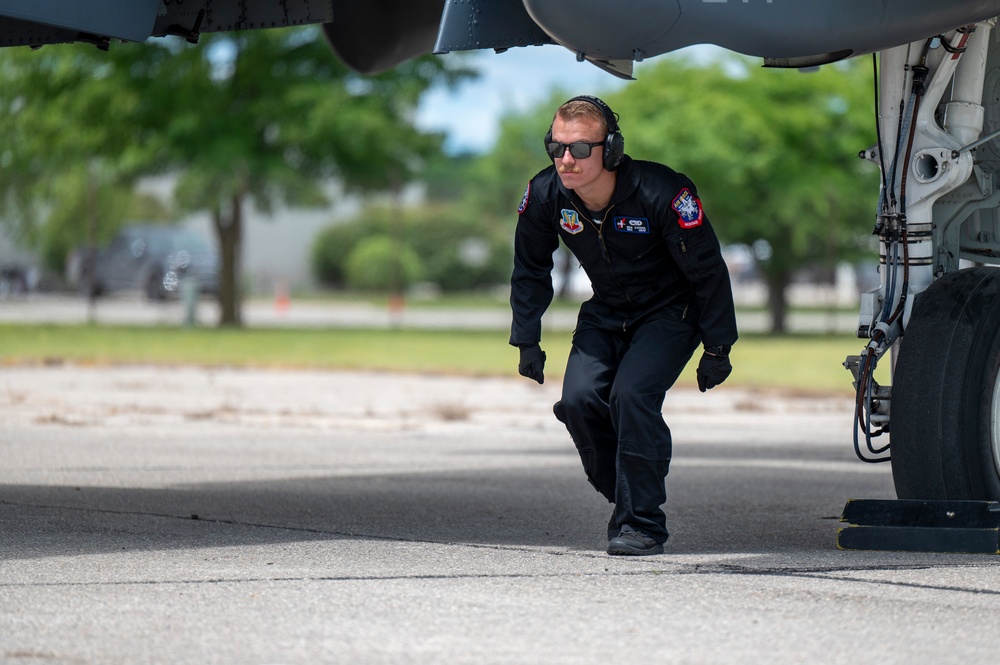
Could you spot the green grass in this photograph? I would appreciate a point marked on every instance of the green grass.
(484, 300)
(802, 363)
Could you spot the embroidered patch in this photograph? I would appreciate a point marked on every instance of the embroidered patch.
(524, 200)
(632, 224)
(688, 208)
(570, 221)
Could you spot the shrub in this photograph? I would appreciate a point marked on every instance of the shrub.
(382, 263)
(455, 250)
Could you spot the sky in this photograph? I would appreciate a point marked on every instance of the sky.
(514, 81)
(511, 81)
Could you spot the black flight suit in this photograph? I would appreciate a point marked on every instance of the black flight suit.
(660, 287)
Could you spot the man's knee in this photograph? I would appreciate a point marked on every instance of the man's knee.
(627, 399)
(560, 411)
(600, 476)
(577, 403)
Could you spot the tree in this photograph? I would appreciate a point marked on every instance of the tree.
(456, 250)
(70, 149)
(264, 117)
(88, 207)
(257, 117)
(774, 154)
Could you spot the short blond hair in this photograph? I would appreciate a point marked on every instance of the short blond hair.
(579, 108)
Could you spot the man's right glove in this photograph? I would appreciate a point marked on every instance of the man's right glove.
(532, 362)
(714, 367)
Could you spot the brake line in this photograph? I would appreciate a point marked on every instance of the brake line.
(893, 236)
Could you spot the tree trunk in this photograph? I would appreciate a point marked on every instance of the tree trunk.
(90, 257)
(777, 304)
(230, 233)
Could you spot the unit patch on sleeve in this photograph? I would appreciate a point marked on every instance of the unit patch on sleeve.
(570, 221)
(524, 199)
(632, 224)
(688, 208)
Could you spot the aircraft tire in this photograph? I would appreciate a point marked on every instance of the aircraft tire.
(945, 413)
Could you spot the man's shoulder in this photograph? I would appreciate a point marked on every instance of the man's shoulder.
(658, 186)
(659, 172)
(546, 181)
(542, 190)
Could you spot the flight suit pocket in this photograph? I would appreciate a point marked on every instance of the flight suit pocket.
(695, 252)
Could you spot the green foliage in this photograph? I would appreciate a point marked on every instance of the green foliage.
(260, 116)
(493, 183)
(330, 250)
(458, 251)
(271, 114)
(70, 146)
(773, 152)
(382, 263)
(90, 209)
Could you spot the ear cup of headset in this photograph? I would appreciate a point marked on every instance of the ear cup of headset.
(614, 150)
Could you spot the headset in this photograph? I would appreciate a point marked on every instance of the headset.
(614, 143)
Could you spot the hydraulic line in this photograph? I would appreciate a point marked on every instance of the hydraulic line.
(902, 239)
(892, 229)
(878, 130)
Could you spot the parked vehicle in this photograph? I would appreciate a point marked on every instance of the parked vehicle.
(13, 281)
(153, 259)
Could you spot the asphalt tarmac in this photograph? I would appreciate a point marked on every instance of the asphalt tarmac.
(187, 515)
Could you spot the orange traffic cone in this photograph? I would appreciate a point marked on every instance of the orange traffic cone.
(281, 298)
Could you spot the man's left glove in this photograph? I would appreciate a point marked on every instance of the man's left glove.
(532, 362)
(714, 367)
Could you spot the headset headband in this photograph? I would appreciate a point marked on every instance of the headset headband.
(610, 118)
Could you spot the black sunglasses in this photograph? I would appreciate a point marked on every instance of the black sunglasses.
(579, 150)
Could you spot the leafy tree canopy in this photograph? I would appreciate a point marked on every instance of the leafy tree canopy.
(774, 152)
(257, 117)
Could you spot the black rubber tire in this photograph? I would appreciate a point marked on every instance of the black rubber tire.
(943, 426)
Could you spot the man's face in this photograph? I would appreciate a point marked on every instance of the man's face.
(579, 173)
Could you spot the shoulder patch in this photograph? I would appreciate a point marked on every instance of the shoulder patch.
(524, 199)
(688, 209)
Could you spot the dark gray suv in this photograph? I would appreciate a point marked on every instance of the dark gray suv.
(154, 259)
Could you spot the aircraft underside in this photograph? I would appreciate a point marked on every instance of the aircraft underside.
(936, 314)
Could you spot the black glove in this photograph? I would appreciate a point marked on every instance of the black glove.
(714, 367)
(532, 362)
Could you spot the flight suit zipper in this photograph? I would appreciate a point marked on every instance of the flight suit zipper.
(604, 248)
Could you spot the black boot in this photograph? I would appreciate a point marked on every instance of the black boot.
(632, 542)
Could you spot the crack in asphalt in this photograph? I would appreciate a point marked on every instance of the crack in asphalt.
(703, 570)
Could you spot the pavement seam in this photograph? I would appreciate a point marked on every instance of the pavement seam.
(827, 573)
(912, 585)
